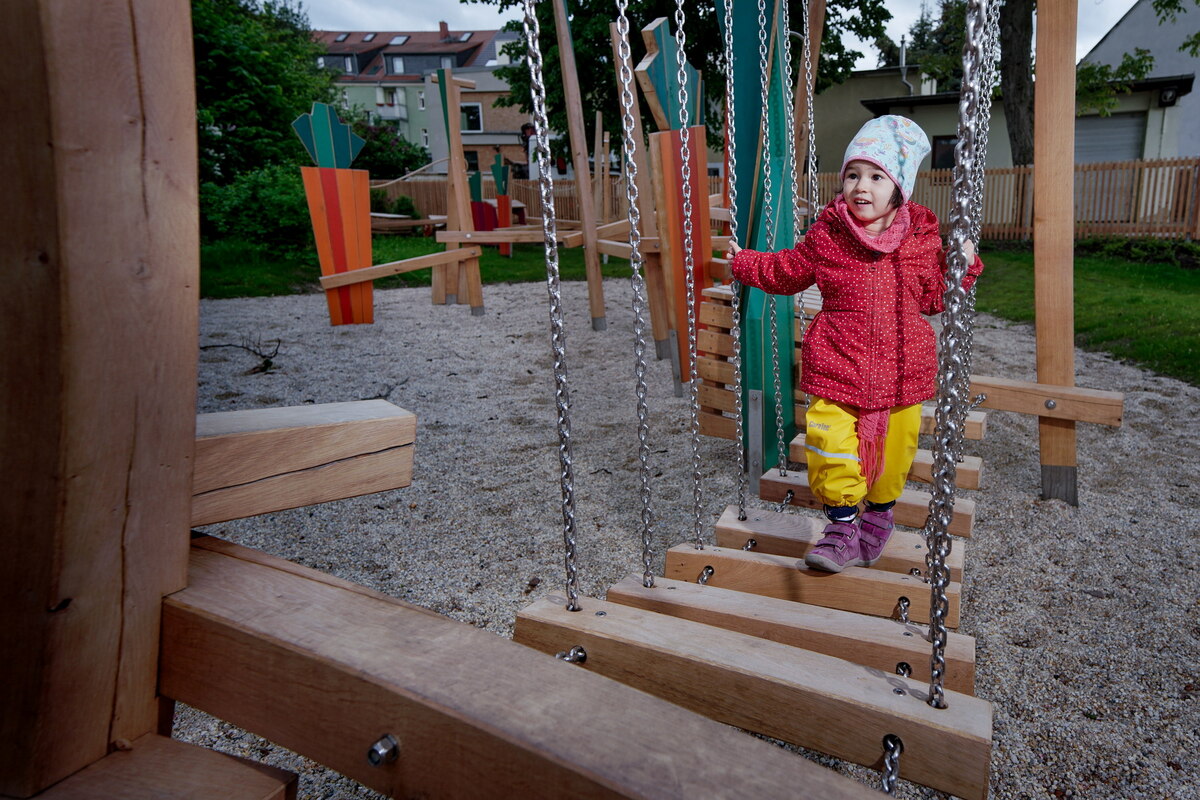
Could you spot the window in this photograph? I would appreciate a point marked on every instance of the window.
(401, 39)
(349, 64)
(943, 152)
(472, 117)
(472, 160)
(389, 97)
(463, 37)
(344, 63)
(424, 137)
(368, 37)
(341, 37)
(447, 62)
(421, 99)
(396, 64)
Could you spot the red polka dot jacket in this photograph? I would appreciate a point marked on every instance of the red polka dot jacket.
(870, 346)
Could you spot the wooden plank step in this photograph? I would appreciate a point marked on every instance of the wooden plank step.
(324, 668)
(966, 476)
(871, 641)
(912, 509)
(259, 460)
(793, 535)
(153, 767)
(859, 589)
(813, 700)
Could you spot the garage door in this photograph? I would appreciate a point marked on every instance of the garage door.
(1120, 137)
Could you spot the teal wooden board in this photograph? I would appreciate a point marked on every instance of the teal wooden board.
(663, 72)
(475, 183)
(754, 165)
(441, 73)
(302, 125)
(500, 175)
(328, 140)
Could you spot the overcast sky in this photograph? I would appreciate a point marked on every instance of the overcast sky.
(1096, 17)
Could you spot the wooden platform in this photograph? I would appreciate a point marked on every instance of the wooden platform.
(155, 767)
(325, 667)
(254, 461)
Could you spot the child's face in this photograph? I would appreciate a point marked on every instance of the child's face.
(868, 191)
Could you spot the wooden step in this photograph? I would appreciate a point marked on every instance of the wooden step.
(325, 668)
(966, 475)
(912, 509)
(871, 641)
(809, 699)
(791, 534)
(260, 460)
(858, 589)
(153, 767)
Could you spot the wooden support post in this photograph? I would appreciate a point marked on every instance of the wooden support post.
(1053, 234)
(458, 207)
(325, 667)
(99, 322)
(579, 160)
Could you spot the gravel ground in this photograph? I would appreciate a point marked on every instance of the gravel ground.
(1086, 619)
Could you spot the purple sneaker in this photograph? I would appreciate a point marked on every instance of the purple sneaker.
(837, 549)
(874, 529)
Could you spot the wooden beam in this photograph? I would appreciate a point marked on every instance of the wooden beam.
(793, 535)
(579, 161)
(565, 238)
(813, 700)
(858, 589)
(912, 509)
(154, 767)
(1053, 235)
(99, 321)
(378, 271)
(324, 670)
(1051, 402)
(882, 644)
(256, 461)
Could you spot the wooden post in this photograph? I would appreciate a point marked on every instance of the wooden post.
(583, 184)
(458, 208)
(655, 288)
(598, 172)
(1053, 238)
(98, 371)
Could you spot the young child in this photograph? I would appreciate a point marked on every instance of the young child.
(869, 358)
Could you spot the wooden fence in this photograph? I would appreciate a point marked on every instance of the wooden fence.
(1126, 198)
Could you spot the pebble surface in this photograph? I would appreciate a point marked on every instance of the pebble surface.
(1086, 619)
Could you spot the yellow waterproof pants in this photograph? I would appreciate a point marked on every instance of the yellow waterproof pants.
(831, 440)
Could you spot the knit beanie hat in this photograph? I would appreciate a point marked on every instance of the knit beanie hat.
(895, 144)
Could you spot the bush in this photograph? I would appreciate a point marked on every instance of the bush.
(265, 205)
(382, 204)
(1143, 249)
(385, 154)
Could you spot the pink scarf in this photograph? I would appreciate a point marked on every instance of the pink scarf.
(872, 436)
(885, 242)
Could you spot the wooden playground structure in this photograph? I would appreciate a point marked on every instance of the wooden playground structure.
(117, 611)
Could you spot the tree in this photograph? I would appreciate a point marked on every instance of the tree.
(256, 71)
(386, 154)
(705, 50)
(1169, 11)
(936, 45)
(1016, 77)
(1097, 85)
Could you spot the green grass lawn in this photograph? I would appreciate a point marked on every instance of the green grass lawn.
(1144, 312)
(233, 268)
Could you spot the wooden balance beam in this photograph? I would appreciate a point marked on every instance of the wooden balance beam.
(153, 767)
(500, 235)
(325, 668)
(260, 460)
(805, 698)
(858, 589)
(912, 509)
(871, 641)
(378, 271)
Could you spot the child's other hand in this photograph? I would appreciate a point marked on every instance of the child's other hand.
(969, 249)
(733, 249)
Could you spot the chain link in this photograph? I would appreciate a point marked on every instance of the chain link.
(557, 336)
(638, 282)
(743, 488)
(951, 357)
(810, 83)
(892, 748)
(685, 156)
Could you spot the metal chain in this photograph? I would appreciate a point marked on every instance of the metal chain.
(810, 83)
(743, 488)
(951, 357)
(557, 338)
(685, 156)
(638, 282)
(789, 117)
(892, 748)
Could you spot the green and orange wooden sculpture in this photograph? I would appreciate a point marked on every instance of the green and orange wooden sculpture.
(339, 203)
(504, 214)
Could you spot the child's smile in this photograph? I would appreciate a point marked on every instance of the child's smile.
(868, 191)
